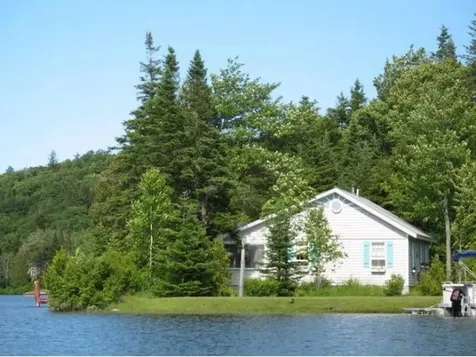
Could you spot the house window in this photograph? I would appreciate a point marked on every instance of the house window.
(425, 254)
(377, 256)
(336, 206)
(301, 257)
(233, 254)
(254, 255)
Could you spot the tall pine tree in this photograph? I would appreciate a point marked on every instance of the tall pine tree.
(357, 96)
(341, 113)
(205, 174)
(446, 47)
(116, 186)
(470, 56)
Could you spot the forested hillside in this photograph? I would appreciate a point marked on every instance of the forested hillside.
(42, 209)
(202, 155)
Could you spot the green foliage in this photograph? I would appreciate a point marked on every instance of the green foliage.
(151, 218)
(192, 265)
(394, 285)
(78, 282)
(261, 287)
(42, 209)
(357, 96)
(197, 159)
(446, 47)
(351, 287)
(183, 260)
(280, 264)
(430, 283)
(395, 69)
(322, 246)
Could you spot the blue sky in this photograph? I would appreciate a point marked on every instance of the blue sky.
(69, 67)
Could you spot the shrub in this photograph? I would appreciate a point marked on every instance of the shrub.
(80, 282)
(261, 287)
(351, 287)
(430, 282)
(394, 286)
(311, 289)
(286, 288)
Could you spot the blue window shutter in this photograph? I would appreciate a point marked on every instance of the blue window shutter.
(312, 256)
(390, 254)
(291, 252)
(366, 255)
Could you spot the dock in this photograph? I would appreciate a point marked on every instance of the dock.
(41, 296)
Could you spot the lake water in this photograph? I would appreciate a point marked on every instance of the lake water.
(28, 330)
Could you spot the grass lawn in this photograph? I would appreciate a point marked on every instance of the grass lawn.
(270, 305)
(17, 291)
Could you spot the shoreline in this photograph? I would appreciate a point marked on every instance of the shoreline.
(235, 306)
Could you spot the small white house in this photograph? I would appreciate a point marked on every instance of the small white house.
(377, 242)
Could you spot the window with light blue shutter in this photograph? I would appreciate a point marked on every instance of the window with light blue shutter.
(366, 255)
(312, 256)
(290, 253)
(390, 254)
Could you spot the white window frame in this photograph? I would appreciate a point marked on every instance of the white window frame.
(299, 250)
(375, 256)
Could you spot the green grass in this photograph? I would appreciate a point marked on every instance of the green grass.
(341, 290)
(17, 290)
(270, 305)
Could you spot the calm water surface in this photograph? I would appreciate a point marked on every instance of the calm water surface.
(27, 330)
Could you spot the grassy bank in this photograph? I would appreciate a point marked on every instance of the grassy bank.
(270, 305)
(17, 290)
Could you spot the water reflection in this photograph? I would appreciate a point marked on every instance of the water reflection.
(27, 330)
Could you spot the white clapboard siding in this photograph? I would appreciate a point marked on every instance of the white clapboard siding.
(354, 227)
(351, 219)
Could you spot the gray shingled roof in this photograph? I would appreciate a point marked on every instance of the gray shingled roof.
(368, 206)
(387, 214)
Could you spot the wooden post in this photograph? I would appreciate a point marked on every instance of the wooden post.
(37, 293)
(242, 269)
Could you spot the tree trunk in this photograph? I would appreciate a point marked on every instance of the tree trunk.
(448, 239)
(241, 284)
(319, 281)
(151, 241)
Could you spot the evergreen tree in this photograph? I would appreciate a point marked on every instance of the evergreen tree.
(470, 56)
(357, 96)
(132, 142)
(446, 46)
(167, 140)
(205, 173)
(290, 195)
(151, 69)
(52, 159)
(281, 264)
(9, 170)
(116, 187)
(191, 264)
(341, 113)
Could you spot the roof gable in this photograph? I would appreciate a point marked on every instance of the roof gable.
(368, 206)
